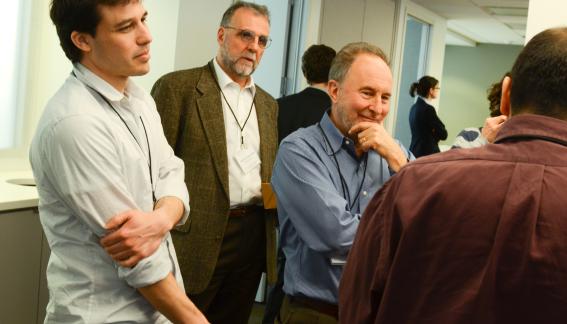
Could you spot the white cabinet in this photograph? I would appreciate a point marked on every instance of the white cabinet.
(23, 259)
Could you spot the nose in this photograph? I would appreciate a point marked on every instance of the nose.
(376, 106)
(144, 37)
(253, 45)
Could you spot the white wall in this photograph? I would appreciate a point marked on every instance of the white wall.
(197, 32)
(162, 21)
(48, 67)
(343, 22)
(543, 14)
(467, 74)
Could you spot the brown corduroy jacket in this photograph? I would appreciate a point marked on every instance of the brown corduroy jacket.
(190, 107)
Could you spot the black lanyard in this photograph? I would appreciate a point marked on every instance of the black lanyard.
(346, 192)
(230, 108)
(131, 133)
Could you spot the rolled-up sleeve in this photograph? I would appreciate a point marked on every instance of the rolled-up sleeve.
(85, 169)
(150, 270)
(171, 175)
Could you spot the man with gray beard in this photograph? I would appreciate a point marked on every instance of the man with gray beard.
(225, 129)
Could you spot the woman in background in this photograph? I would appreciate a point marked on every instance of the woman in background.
(426, 128)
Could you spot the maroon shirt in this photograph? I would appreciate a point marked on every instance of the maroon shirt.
(467, 236)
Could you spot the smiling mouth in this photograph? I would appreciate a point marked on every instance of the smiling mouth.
(145, 53)
(369, 119)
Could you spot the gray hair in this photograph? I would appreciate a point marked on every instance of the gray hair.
(259, 9)
(343, 61)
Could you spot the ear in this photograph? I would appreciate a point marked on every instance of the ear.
(220, 35)
(431, 93)
(81, 41)
(333, 90)
(505, 98)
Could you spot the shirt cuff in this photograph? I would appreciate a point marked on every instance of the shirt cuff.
(149, 270)
(180, 192)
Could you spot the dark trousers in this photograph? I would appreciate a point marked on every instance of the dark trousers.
(295, 313)
(275, 293)
(229, 296)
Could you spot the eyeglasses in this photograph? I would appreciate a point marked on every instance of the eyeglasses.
(249, 37)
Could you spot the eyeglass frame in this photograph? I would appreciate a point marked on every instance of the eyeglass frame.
(245, 38)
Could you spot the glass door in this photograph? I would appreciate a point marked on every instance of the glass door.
(415, 57)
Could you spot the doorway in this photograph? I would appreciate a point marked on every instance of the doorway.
(414, 66)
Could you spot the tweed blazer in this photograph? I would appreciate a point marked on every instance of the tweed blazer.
(189, 103)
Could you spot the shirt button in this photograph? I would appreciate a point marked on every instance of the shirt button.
(347, 142)
(365, 193)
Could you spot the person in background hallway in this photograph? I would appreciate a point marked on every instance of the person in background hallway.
(426, 128)
(476, 235)
(477, 137)
(306, 107)
(105, 213)
(324, 177)
(224, 127)
(301, 110)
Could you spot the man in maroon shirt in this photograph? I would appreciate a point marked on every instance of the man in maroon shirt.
(479, 235)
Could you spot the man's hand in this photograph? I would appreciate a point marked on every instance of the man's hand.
(134, 235)
(374, 136)
(491, 127)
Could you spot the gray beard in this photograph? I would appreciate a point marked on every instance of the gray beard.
(242, 71)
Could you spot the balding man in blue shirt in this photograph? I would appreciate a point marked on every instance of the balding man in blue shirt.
(324, 177)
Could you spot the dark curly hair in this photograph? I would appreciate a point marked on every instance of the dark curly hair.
(494, 94)
(77, 15)
(316, 63)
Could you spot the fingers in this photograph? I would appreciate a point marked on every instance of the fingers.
(130, 262)
(359, 127)
(112, 239)
(122, 255)
(117, 220)
(119, 246)
(502, 118)
(130, 252)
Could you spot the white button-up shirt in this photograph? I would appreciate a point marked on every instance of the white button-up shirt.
(88, 168)
(244, 187)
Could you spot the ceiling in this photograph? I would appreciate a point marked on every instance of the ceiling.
(470, 22)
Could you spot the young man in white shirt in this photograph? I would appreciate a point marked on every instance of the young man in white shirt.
(109, 185)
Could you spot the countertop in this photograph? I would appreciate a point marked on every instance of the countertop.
(14, 196)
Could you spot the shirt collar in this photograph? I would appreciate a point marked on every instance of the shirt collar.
(104, 88)
(224, 80)
(531, 125)
(336, 139)
(427, 100)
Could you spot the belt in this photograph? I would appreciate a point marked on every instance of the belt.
(316, 305)
(244, 210)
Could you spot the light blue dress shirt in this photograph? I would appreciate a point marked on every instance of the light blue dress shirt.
(88, 168)
(316, 224)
